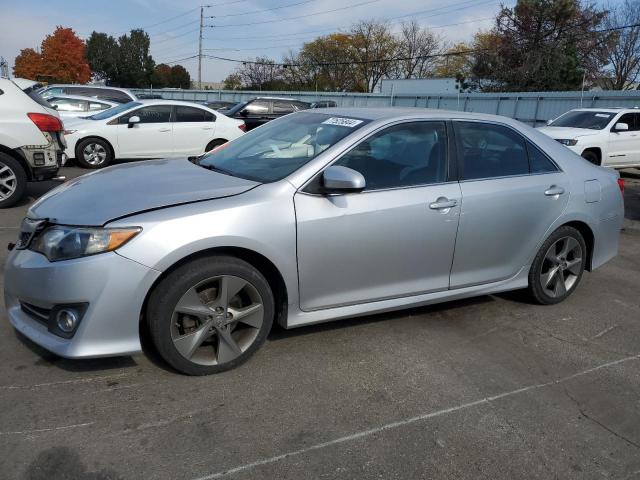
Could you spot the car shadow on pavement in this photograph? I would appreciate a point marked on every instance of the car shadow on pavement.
(48, 359)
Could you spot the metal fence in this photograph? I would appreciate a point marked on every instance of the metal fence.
(533, 108)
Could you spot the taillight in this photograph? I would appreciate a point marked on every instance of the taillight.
(242, 127)
(45, 122)
(621, 185)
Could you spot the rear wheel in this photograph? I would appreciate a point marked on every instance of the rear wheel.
(213, 144)
(558, 266)
(591, 157)
(210, 315)
(93, 153)
(13, 181)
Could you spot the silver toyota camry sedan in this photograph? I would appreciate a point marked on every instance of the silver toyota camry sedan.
(320, 215)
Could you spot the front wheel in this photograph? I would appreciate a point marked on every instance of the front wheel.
(214, 144)
(558, 266)
(210, 315)
(93, 153)
(13, 181)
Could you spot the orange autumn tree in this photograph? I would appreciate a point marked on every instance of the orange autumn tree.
(28, 64)
(63, 59)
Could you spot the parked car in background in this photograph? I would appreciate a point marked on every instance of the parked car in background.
(72, 106)
(324, 104)
(149, 96)
(316, 216)
(605, 136)
(148, 129)
(31, 139)
(221, 105)
(261, 110)
(118, 95)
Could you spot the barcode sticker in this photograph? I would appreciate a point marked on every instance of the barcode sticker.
(602, 115)
(343, 122)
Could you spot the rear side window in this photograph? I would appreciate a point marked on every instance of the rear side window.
(192, 114)
(490, 151)
(538, 161)
(282, 108)
(93, 106)
(257, 107)
(68, 104)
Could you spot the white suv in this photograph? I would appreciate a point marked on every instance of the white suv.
(605, 136)
(31, 139)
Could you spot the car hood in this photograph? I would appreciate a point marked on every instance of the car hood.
(567, 132)
(116, 192)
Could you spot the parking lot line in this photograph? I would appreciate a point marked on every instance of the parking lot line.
(418, 418)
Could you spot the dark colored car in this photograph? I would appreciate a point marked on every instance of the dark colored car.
(324, 104)
(113, 94)
(259, 111)
(220, 105)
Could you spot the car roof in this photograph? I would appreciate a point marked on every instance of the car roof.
(82, 97)
(100, 87)
(286, 99)
(605, 109)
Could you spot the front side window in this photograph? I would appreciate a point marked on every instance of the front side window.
(258, 107)
(631, 119)
(192, 114)
(94, 106)
(489, 151)
(400, 156)
(589, 119)
(281, 147)
(151, 114)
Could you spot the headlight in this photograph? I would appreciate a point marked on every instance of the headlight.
(63, 243)
(569, 142)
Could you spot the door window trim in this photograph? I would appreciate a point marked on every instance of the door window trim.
(174, 114)
(450, 159)
(460, 157)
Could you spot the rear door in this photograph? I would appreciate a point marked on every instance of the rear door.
(193, 129)
(624, 146)
(394, 239)
(512, 192)
(152, 137)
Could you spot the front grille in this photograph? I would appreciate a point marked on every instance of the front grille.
(37, 313)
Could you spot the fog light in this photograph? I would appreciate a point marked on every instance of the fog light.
(66, 320)
(38, 158)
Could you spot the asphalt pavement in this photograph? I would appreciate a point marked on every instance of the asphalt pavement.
(486, 388)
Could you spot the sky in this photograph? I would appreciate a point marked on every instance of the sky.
(236, 29)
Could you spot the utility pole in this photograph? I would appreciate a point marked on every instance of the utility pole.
(4, 68)
(200, 49)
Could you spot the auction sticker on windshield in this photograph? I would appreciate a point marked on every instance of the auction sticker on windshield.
(343, 122)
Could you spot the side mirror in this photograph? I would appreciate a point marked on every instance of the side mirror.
(133, 120)
(621, 127)
(244, 112)
(339, 180)
(549, 122)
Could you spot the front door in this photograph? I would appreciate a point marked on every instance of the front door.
(512, 192)
(394, 239)
(624, 146)
(152, 137)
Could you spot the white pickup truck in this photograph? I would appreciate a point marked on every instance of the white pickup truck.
(605, 136)
(31, 139)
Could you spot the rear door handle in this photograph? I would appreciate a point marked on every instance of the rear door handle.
(164, 130)
(442, 203)
(207, 128)
(554, 190)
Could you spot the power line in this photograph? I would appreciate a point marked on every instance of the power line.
(265, 10)
(297, 17)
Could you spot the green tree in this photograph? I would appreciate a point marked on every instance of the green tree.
(135, 65)
(179, 77)
(233, 82)
(542, 45)
(102, 55)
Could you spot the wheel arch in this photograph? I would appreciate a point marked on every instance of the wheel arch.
(98, 137)
(589, 238)
(257, 260)
(215, 140)
(18, 158)
(597, 151)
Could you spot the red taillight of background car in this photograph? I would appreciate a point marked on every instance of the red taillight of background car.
(45, 122)
(242, 127)
(621, 185)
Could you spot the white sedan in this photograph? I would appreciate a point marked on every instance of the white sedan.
(148, 129)
(73, 106)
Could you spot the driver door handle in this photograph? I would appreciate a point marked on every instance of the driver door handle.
(164, 130)
(442, 203)
(554, 190)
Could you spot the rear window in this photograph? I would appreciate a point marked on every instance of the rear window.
(33, 94)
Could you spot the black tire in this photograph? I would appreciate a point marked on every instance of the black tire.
(166, 295)
(13, 181)
(542, 266)
(591, 157)
(213, 144)
(101, 146)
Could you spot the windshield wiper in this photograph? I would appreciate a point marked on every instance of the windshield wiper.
(213, 168)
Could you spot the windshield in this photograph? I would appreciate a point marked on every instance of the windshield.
(582, 119)
(281, 147)
(114, 111)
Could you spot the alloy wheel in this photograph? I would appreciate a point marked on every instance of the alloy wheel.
(94, 154)
(217, 320)
(561, 267)
(8, 181)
